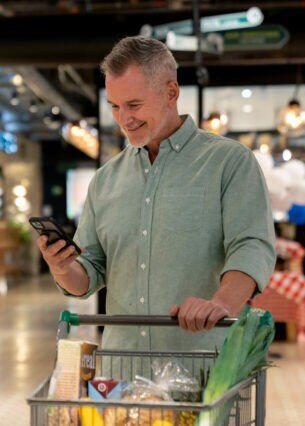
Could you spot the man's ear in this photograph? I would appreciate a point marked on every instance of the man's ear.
(173, 90)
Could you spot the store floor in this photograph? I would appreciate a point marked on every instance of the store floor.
(28, 318)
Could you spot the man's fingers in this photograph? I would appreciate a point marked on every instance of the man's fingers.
(57, 255)
(197, 314)
(42, 241)
(197, 318)
(217, 314)
(173, 311)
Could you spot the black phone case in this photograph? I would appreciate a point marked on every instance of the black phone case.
(48, 226)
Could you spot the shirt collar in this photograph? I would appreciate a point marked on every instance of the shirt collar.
(181, 136)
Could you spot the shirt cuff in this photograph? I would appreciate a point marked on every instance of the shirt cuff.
(95, 283)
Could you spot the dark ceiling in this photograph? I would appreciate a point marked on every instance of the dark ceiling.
(57, 45)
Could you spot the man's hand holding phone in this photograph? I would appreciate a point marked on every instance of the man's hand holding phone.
(58, 255)
(57, 248)
(60, 252)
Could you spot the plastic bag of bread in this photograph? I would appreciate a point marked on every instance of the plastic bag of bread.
(141, 390)
(176, 379)
(180, 384)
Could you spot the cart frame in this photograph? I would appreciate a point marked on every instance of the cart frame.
(254, 386)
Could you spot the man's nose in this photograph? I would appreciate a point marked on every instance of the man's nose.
(125, 117)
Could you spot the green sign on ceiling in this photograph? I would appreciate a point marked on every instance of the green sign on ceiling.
(249, 18)
(264, 37)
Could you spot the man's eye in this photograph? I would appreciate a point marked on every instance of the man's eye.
(134, 105)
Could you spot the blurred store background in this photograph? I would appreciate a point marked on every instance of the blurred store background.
(242, 74)
(241, 70)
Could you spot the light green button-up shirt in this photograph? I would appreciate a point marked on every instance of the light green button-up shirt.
(156, 234)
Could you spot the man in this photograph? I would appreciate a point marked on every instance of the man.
(178, 222)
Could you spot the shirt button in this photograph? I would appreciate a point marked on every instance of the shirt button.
(147, 200)
(143, 333)
(146, 170)
(142, 300)
(177, 146)
(144, 232)
(143, 266)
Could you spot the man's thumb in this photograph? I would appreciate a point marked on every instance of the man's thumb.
(173, 311)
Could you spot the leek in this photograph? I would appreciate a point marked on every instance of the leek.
(243, 352)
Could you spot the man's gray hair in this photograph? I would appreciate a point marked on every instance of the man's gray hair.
(151, 55)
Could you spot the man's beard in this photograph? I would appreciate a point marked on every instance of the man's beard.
(137, 144)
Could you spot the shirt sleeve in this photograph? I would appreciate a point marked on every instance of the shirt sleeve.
(93, 259)
(249, 236)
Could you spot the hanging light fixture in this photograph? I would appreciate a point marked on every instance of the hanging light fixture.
(14, 99)
(33, 108)
(82, 136)
(291, 119)
(216, 122)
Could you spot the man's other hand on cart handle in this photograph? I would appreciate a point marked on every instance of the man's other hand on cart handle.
(197, 314)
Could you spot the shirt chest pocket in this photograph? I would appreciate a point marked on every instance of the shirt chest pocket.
(181, 212)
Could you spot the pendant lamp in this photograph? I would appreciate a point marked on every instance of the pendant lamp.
(216, 123)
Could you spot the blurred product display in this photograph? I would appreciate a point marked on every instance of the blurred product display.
(284, 296)
(9, 247)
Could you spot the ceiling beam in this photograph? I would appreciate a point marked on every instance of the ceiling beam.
(45, 91)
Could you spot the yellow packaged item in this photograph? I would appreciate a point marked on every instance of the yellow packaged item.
(162, 423)
(89, 416)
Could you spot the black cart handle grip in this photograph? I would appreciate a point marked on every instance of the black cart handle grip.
(148, 320)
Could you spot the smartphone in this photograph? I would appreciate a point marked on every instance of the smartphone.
(48, 226)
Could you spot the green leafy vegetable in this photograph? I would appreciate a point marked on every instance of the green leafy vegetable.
(244, 351)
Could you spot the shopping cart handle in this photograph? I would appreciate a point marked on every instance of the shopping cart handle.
(67, 319)
(150, 320)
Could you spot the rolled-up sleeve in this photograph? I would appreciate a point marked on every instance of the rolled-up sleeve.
(249, 237)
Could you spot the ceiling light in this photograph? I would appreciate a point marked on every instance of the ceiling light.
(52, 122)
(246, 93)
(264, 148)
(291, 119)
(33, 108)
(55, 110)
(19, 191)
(14, 99)
(286, 154)
(247, 108)
(216, 122)
(83, 137)
(17, 80)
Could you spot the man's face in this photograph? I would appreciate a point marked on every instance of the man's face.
(144, 113)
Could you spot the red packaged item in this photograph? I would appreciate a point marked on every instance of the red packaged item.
(100, 388)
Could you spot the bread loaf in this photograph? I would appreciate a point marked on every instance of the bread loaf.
(119, 416)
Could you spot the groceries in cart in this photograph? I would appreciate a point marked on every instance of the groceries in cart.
(186, 388)
(171, 382)
(140, 389)
(70, 380)
(100, 388)
(244, 350)
(75, 366)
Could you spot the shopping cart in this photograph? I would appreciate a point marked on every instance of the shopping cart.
(246, 400)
